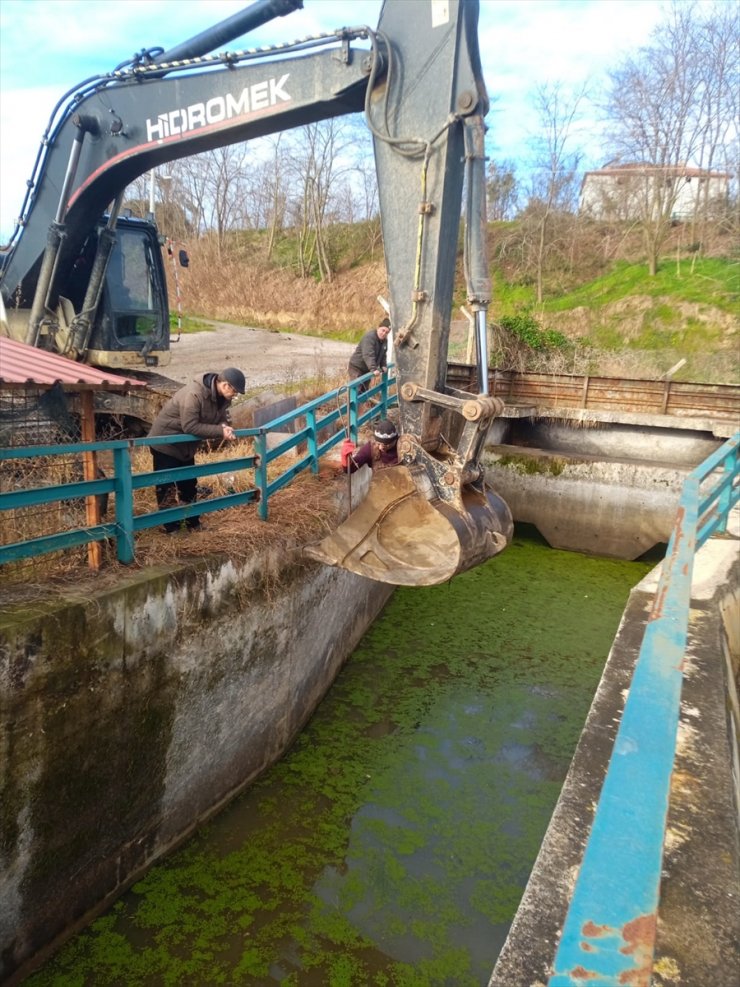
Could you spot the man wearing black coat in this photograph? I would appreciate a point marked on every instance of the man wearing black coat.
(371, 354)
(201, 408)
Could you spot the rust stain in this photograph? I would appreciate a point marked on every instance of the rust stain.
(639, 935)
(581, 973)
(636, 978)
(680, 518)
(587, 947)
(658, 602)
(592, 930)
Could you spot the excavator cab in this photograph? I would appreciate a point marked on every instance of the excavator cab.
(136, 312)
(130, 324)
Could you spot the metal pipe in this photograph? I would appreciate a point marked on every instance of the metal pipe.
(79, 336)
(54, 238)
(478, 282)
(233, 27)
(481, 350)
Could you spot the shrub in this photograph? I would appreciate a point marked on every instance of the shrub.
(527, 330)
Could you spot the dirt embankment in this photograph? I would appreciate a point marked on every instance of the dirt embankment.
(631, 315)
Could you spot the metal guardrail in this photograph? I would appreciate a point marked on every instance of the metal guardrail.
(609, 932)
(320, 432)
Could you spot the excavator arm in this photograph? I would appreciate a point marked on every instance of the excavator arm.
(432, 516)
(118, 126)
(418, 80)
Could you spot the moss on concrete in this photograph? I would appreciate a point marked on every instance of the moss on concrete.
(391, 846)
(542, 465)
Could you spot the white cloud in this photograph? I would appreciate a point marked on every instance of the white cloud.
(526, 43)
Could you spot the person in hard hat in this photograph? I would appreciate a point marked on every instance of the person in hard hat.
(371, 354)
(379, 453)
(201, 408)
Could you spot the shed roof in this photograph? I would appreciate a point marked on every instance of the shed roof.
(24, 364)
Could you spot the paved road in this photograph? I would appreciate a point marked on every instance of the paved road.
(267, 358)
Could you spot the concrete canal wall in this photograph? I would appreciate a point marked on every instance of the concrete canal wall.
(602, 488)
(698, 927)
(128, 718)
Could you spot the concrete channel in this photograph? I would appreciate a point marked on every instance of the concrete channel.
(119, 739)
(607, 483)
(698, 921)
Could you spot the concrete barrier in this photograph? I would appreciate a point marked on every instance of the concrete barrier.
(611, 509)
(599, 487)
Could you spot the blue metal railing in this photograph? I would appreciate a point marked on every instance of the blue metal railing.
(609, 932)
(349, 408)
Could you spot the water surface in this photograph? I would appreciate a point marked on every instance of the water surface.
(391, 846)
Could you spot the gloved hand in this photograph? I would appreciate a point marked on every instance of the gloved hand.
(348, 447)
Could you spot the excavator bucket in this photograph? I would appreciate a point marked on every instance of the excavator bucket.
(398, 536)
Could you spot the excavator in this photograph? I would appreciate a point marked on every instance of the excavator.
(81, 279)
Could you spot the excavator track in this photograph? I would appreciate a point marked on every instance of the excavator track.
(131, 415)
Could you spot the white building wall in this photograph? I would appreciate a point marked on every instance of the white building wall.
(624, 196)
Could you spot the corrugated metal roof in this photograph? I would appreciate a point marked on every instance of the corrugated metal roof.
(23, 364)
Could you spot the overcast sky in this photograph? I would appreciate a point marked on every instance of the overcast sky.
(47, 46)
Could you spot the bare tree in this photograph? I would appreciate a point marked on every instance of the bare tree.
(136, 197)
(191, 183)
(719, 68)
(271, 191)
(225, 188)
(502, 188)
(364, 186)
(554, 175)
(170, 212)
(320, 162)
(668, 106)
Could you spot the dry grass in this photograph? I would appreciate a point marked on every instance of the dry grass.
(302, 513)
(223, 287)
(301, 508)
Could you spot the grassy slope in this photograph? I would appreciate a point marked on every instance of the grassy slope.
(621, 321)
(687, 311)
(708, 281)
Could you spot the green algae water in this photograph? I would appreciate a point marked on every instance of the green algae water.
(391, 846)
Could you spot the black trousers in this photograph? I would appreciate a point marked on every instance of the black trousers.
(171, 494)
(354, 373)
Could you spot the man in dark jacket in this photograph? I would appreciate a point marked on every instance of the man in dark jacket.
(201, 408)
(371, 353)
(380, 452)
